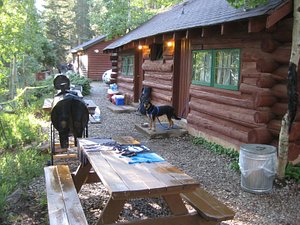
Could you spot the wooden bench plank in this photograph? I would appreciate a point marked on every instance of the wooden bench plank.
(56, 209)
(188, 219)
(63, 202)
(208, 206)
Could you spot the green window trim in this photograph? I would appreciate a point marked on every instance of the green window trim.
(218, 68)
(127, 65)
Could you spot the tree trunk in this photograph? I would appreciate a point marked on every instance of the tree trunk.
(291, 112)
(283, 147)
(13, 78)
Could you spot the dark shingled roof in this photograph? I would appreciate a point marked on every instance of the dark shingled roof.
(190, 14)
(87, 44)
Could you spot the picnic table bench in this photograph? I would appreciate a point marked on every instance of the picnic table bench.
(64, 207)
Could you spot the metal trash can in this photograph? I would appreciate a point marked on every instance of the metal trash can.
(258, 167)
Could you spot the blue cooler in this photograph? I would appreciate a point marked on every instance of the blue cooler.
(119, 99)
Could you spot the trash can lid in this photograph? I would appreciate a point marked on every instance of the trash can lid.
(258, 149)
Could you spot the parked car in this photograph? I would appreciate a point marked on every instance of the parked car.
(106, 77)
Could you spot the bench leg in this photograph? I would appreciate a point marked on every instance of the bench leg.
(111, 211)
(176, 204)
(81, 175)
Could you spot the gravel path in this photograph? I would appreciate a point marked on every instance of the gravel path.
(280, 207)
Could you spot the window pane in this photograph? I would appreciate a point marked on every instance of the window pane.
(227, 67)
(130, 66)
(124, 65)
(202, 66)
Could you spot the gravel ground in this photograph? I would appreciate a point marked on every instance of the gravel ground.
(280, 207)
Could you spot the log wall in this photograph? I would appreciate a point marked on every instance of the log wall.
(158, 75)
(253, 114)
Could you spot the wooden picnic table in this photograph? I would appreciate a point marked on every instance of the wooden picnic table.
(48, 104)
(126, 181)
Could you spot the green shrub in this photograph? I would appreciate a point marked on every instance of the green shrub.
(219, 149)
(292, 172)
(17, 170)
(19, 129)
(75, 79)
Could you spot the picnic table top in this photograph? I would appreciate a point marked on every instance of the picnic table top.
(47, 106)
(125, 180)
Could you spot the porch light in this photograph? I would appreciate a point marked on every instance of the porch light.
(140, 47)
(170, 43)
(96, 51)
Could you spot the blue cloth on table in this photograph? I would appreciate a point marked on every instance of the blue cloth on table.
(146, 158)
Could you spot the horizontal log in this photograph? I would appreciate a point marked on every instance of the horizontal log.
(250, 89)
(274, 127)
(245, 101)
(279, 109)
(158, 76)
(264, 99)
(215, 137)
(125, 79)
(280, 91)
(218, 125)
(260, 81)
(282, 54)
(158, 86)
(158, 81)
(219, 91)
(250, 80)
(257, 75)
(265, 82)
(295, 134)
(282, 72)
(126, 86)
(158, 65)
(269, 45)
(266, 65)
(248, 67)
(155, 96)
(260, 135)
(233, 130)
(232, 113)
(294, 151)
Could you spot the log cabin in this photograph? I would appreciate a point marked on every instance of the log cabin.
(89, 59)
(223, 69)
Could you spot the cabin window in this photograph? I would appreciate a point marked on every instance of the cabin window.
(216, 68)
(127, 65)
(156, 52)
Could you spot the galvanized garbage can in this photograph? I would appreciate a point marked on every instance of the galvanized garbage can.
(258, 167)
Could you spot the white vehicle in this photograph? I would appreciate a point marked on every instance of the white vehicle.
(106, 77)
